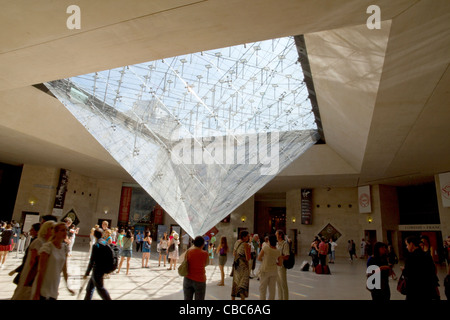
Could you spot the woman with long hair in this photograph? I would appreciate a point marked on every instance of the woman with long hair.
(314, 253)
(30, 266)
(146, 245)
(241, 274)
(127, 250)
(222, 251)
(52, 261)
(163, 244)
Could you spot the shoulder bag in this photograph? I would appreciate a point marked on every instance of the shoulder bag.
(401, 284)
(183, 269)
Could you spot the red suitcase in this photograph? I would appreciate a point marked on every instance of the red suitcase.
(320, 269)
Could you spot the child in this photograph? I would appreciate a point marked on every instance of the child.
(211, 253)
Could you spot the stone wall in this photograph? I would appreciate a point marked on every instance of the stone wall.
(90, 198)
(93, 199)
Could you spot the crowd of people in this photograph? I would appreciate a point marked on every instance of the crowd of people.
(11, 238)
(50, 242)
(322, 252)
(419, 270)
(246, 250)
(38, 277)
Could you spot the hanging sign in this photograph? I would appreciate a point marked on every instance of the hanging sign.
(444, 184)
(419, 227)
(306, 206)
(61, 192)
(364, 199)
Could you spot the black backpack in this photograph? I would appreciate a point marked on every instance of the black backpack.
(289, 263)
(110, 257)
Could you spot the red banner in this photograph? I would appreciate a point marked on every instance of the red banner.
(159, 213)
(125, 203)
(211, 231)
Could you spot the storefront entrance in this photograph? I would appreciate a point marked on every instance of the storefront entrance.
(269, 214)
(436, 243)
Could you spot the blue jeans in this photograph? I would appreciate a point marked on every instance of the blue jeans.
(191, 288)
(333, 255)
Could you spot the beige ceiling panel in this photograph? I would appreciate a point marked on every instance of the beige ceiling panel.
(320, 159)
(393, 131)
(427, 146)
(346, 65)
(41, 21)
(34, 113)
(156, 31)
(18, 148)
(409, 131)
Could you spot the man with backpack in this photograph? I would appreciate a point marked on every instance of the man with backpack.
(100, 263)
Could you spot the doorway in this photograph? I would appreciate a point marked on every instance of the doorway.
(100, 222)
(371, 237)
(277, 216)
(269, 214)
(436, 243)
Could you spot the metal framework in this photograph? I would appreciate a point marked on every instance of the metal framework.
(203, 132)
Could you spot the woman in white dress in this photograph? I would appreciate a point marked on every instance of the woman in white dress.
(174, 255)
(271, 258)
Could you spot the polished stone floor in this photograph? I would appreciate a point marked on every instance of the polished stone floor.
(347, 281)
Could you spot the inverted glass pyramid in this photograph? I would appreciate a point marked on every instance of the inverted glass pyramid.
(200, 133)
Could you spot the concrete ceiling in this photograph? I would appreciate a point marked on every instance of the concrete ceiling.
(383, 95)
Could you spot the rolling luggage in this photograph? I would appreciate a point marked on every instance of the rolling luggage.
(320, 269)
(326, 269)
